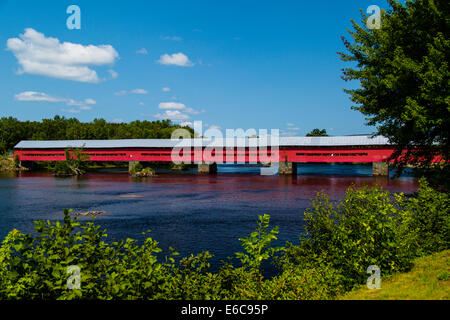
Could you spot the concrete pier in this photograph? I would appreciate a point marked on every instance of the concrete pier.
(380, 169)
(288, 168)
(207, 167)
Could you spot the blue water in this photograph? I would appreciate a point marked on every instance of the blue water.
(189, 212)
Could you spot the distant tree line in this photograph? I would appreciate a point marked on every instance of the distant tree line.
(13, 130)
(317, 133)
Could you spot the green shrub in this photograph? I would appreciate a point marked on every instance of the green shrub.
(136, 168)
(371, 226)
(427, 228)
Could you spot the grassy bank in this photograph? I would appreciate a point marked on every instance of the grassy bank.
(429, 279)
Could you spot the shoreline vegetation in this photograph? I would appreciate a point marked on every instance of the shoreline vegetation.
(11, 164)
(370, 226)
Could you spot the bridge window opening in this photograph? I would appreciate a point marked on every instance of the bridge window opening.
(361, 154)
(43, 154)
(108, 154)
(155, 154)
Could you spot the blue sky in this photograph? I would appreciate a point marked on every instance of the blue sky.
(231, 64)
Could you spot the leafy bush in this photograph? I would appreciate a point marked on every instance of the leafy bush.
(136, 168)
(427, 228)
(371, 226)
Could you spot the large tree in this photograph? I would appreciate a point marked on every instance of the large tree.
(403, 70)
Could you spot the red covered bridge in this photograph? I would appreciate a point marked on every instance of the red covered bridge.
(287, 152)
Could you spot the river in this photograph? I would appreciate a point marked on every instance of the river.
(190, 212)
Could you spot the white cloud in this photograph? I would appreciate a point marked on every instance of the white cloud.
(41, 96)
(173, 38)
(193, 111)
(171, 105)
(134, 91)
(141, 104)
(175, 111)
(186, 124)
(120, 93)
(174, 115)
(142, 51)
(139, 91)
(113, 74)
(176, 59)
(290, 124)
(46, 56)
(36, 96)
(178, 106)
(165, 89)
(117, 120)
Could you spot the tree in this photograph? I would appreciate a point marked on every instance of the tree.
(404, 78)
(317, 133)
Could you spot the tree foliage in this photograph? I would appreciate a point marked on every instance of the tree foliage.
(317, 133)
(403, 70)
(59, 128)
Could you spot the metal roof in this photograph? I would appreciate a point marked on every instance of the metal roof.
(168, 143)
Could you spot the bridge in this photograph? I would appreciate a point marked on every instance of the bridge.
(206, 152)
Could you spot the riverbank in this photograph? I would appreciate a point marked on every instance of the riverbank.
(8, 164)
(429, 279)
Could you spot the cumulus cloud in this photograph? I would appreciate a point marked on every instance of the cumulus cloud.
(41, 96)
(36, 96)
(46, 56)
(176, 59)
(165, 89)
(174, 115)
(171, 105)
(175, 111)
(142, 51)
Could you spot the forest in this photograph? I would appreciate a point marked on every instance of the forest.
(13, 130)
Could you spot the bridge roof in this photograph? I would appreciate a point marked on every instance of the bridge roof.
(168, 143)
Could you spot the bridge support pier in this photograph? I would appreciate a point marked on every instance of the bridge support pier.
(207, 167)
(288, 168)
(131, 165)
(380, 169)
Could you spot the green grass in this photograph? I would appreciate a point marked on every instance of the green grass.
(429, 279)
